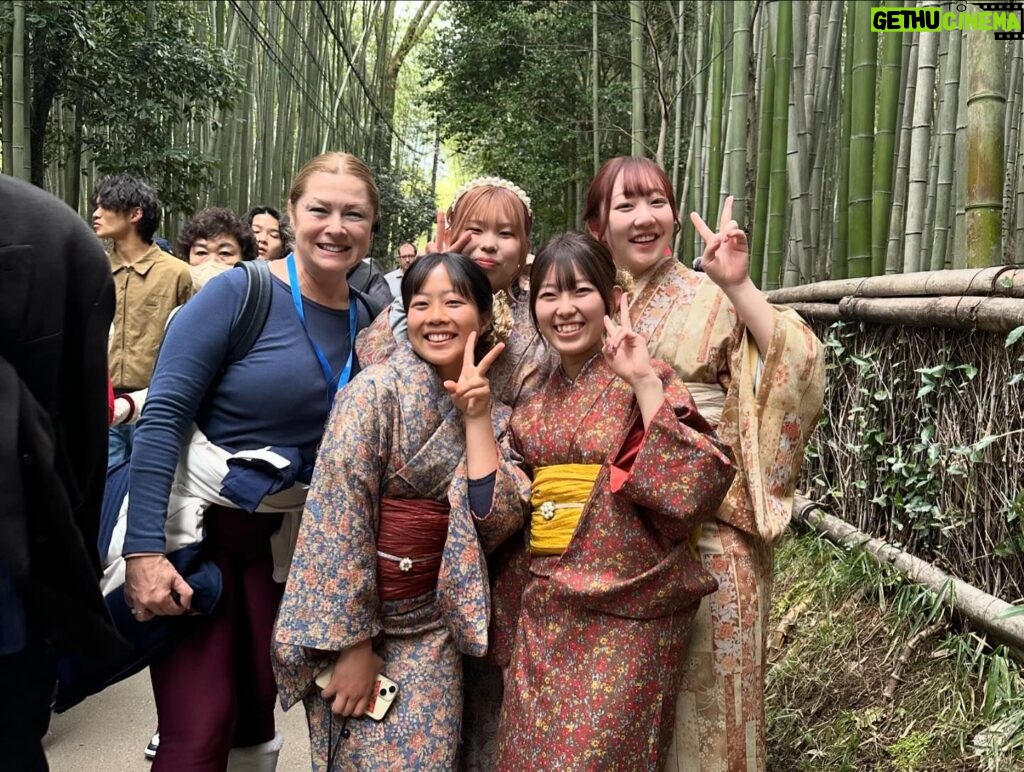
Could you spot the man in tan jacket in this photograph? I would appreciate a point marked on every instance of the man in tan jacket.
(149, 283)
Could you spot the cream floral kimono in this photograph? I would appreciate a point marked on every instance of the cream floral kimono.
(765, 409)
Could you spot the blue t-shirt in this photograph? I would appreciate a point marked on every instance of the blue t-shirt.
(276, 395)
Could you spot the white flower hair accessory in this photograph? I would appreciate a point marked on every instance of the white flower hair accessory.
(493, 182)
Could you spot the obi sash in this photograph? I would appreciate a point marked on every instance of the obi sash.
(410, 541)
(559, 494)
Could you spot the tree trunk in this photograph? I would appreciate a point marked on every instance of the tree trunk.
(840, 266)
(894, 250)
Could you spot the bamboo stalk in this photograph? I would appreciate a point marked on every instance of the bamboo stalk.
(759, 231)
(1013, 115)
(840, 267)
(862, 144)
(920, 149)
(716, 87)
(736, 136)
(884, 150)
(964, 313)
(984, 611)
(960, 191)
(894, 249)
(998, 281)
(636, 56)
(780, 128)
(986, 111)
(947, 151)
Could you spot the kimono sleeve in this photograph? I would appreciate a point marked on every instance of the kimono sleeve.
(331, 601)
(676, 469)
(771, 419)
(375, 343)
(511, 496)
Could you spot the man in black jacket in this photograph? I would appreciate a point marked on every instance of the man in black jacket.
(56, 304)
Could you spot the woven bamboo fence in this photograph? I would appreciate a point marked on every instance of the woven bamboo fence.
(921, 442)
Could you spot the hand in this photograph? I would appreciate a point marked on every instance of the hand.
(726, 258)
(353, 679)
(472, 392)
(624, 350)
(441, 243)
(123, 409)
(153, 587)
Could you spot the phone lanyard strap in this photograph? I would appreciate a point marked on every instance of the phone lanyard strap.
(334, 382)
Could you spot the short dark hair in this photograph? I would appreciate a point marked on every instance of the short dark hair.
(566, 252)
(468, 279)
(215, 221)
(407, 244)
(123, 193)
(284, 227)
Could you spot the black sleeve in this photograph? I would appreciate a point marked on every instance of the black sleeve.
(481, 493)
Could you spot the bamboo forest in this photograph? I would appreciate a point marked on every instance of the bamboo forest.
(877, 171)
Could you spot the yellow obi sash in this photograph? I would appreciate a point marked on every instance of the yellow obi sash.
(558, 496)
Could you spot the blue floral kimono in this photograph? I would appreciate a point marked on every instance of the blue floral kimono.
(394, 432)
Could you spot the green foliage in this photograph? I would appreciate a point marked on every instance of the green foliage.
(407, 211)
(140, 77)
(959, 703)
(514, 96)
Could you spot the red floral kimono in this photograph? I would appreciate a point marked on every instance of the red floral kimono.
(598, 648)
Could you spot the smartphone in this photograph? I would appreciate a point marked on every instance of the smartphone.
(385, 693)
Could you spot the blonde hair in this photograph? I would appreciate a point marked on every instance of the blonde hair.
(491, 203)
(336, 162)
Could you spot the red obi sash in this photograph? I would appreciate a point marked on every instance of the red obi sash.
(410, 540)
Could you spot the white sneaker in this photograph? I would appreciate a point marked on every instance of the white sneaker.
(154, 745)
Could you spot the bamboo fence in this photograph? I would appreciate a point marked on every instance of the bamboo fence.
(921, 442)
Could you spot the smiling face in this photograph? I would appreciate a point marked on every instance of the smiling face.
(333, 220)
(440, 320)
(497, 223)
(570, 316)
(267, 231)
(640, 226)
(222, 248)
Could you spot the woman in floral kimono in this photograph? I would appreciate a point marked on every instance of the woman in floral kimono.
(410, 490)
(624, 470)
(490, 221)
(756, 372)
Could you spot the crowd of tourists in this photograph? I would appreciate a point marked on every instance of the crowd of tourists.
(491, 510)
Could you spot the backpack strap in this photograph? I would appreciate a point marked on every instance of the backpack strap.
(254, 312)
(364, 297)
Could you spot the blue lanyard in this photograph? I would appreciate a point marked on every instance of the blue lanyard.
(334, 382)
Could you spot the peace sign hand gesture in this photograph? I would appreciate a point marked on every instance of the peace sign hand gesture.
(441, 236)
(624, 350)
(726, 255)
(472, 392)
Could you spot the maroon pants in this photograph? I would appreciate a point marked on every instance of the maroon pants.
(215, 689)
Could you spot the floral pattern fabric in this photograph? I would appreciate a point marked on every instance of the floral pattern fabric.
(766, 417)
(601, 631)
(393, 432)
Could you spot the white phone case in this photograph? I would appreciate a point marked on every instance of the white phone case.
(385, 693)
